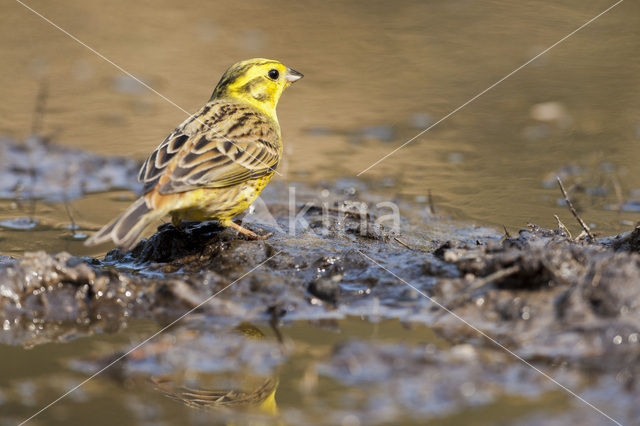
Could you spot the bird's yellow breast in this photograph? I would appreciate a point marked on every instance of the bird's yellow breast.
(218, 203)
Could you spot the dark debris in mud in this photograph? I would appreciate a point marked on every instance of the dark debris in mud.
(559, 301)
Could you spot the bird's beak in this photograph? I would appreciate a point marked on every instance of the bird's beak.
(293, 75)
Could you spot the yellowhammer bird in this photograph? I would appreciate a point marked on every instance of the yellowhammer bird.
(216, 163)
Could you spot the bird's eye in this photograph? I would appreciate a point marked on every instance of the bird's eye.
(273, 74)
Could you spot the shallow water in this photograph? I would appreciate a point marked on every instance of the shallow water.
(306, 385)
(376, 75)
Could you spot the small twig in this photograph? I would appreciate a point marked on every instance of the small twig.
(494, 276)
(581, 236)
(402, 243)
(562, 227)
(274, 324)
(275, 313)
(67, 202)
(477, 285)
(38, 114)
(17, 195)
(33, 200)
(432, 207)
(73, 222)
(506, 232)
(573, 210)
(36, 124)
(618, 191)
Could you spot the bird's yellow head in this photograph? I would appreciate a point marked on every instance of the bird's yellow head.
(258, 81)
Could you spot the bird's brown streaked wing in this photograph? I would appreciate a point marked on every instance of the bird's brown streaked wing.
(156, 164)
(236, 143)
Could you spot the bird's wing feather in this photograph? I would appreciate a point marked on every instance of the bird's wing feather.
(222, 145)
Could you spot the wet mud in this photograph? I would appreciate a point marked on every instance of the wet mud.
(569, 306)
(42, 169)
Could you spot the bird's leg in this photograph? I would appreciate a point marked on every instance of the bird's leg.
(177, 223)
(244, 231)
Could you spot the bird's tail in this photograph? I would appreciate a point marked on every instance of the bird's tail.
(126, 229)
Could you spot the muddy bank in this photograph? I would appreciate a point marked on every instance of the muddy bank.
(533, 281)
(571, 307)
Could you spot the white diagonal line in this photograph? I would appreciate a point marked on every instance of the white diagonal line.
(491, 87)
(494, 341)
(136, 78)
(139, 345)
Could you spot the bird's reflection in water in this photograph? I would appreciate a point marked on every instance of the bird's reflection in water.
(229, 371)
(262, 397)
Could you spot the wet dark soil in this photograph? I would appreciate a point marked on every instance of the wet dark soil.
(561, 304)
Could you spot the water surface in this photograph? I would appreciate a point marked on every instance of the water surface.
(376, 74)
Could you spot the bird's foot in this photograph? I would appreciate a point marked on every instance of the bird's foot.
(177, 223)
(247, 232)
